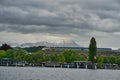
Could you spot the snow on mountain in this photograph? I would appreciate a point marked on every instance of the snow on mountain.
(66, 43)
(60, 43)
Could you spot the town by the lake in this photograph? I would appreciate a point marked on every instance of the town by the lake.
(42, 62)
(59, 39)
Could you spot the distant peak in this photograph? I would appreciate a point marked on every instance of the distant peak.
(59, 43)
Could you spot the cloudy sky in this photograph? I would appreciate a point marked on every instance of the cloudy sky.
(24, 21)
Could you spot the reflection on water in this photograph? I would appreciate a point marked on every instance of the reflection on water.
(36, 73)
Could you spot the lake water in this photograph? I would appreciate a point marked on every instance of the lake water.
(38, 73)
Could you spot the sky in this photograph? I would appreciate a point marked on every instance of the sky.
(28, 21)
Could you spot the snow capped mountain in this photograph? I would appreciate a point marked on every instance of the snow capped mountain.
(44, 43)
(60, 43)
(66, 43)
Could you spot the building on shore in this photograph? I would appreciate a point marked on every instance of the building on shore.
(6, 61)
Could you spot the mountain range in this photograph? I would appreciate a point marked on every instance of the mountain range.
(59, 43)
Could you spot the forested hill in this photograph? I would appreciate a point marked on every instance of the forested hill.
(31, 49)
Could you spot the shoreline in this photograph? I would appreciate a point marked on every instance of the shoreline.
(54, 67)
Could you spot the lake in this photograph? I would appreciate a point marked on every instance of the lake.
(41, 73)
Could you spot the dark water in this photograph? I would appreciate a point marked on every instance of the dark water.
(36, 73)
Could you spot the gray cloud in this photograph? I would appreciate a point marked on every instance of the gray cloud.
(72, 18)
(19, 15)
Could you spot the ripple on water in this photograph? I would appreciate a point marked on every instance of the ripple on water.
(36, 73)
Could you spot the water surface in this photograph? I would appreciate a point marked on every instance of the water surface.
(38, 73)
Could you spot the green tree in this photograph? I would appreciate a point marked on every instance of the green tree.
(118, 61)
(70, 56)
(10, 54)
(2, 54)
(37, 57)
(82, 58)
(31, 58)
(112, 59)
(100, 61)
(19, 55)
(54, 57)
(46, 57)
(61, 58)
(92, 50)
(27, 58)
(105, 59)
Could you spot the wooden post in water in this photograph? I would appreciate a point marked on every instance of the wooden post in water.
(77, 66)
(54, 65)
(68, 66)
(42, 64)
(105, 67)
(16, 64)
(61, 65)
(7, 64)
(23, 65)
(86, 66)
(32, 65)
(95, 66)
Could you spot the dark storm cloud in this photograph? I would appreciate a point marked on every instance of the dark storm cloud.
(59, 16)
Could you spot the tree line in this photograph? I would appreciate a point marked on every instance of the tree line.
(67, 56)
